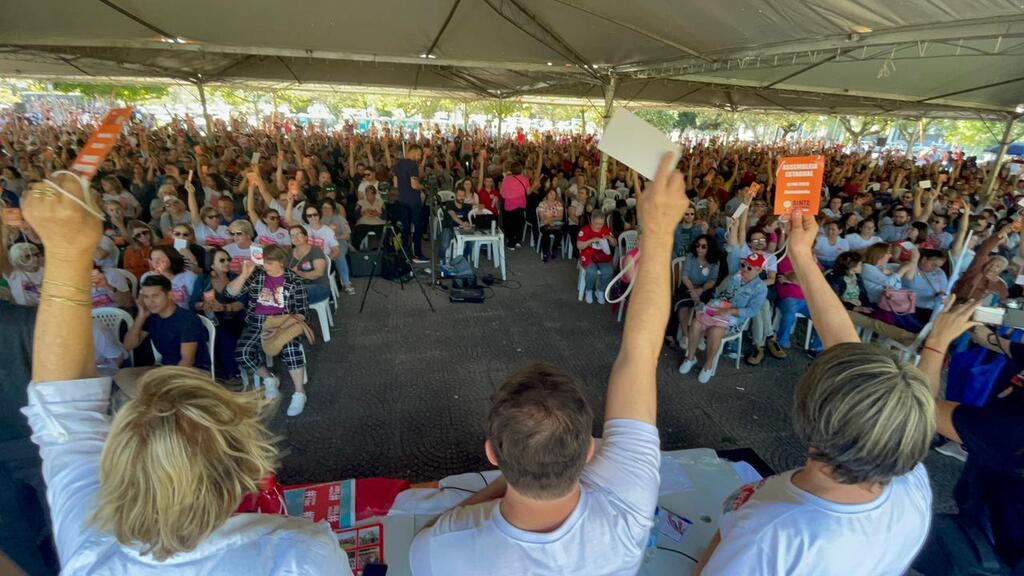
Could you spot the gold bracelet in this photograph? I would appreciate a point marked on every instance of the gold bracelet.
(61, 300)
(67, 285)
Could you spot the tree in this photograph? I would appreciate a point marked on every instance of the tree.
(976, 136)
(241, 98)
(124, 93)
(859, 128)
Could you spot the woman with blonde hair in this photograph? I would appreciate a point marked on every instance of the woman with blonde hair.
(868, 420)
(156, 489)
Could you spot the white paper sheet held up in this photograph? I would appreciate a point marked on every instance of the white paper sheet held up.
(635, 143)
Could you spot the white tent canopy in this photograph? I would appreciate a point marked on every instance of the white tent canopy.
(912, 57)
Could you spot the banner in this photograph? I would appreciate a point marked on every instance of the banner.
(798, 184)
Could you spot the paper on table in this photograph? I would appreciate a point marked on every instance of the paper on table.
(673, 477)
(635, 143)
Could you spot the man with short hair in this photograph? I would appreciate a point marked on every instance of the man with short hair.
(407, 181)
(895, 229)
(177, 334)
(565, 506)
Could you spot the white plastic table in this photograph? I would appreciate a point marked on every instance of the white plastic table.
(495, 239)
(694, 483)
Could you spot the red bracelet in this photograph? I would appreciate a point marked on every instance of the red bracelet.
(936, 350)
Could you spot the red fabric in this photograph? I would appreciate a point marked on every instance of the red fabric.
(489, 199)
(375, 496)
(589, 254)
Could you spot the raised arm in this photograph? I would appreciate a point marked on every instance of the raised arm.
(64, 320)
(632, 388)
(279, 174)
(830, 318)
(193, 206)
(250, 201)
(950, 324)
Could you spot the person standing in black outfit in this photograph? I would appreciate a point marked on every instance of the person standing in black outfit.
(410, 205)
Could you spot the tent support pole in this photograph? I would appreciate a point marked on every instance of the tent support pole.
(1004, 144)
(609, 98)
(206, 113)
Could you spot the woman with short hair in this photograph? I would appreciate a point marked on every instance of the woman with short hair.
(272, 290)
(26, 277)
(117, 505)
(239, 249)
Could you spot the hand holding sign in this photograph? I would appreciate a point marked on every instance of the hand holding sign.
(799, 185)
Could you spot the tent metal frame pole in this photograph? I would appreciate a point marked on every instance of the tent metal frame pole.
(1004, 144)
(609, 99)
(206, 113)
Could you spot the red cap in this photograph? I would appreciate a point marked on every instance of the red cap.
(755, 260)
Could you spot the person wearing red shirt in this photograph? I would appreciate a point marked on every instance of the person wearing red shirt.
(595, 243)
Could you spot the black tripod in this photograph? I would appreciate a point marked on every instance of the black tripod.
(389, 234)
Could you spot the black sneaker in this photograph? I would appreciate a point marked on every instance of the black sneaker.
(756, 357)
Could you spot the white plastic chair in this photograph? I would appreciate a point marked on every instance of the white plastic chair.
(323, 312)
(446, 195)
(627, 241)
(133, 282)
(810, 326)
(677, 271)
(114, 318)
(211, 332)
(334, 287)
(738, 338)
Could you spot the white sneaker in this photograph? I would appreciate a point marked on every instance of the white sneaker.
(589, 297)
(953, 450)
(687, 365)
(271, 388)
(705, 376)
(297, 404)
(600, 296)
(701, 345)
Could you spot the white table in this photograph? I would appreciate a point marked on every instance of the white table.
(694, 484)
(495, 239)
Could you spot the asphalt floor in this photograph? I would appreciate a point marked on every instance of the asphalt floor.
(403, 392)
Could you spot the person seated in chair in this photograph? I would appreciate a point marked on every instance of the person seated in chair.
(595, 243)
(736, 300)
(456, 214)
(177, 333)
(861, 503)
(564, 505)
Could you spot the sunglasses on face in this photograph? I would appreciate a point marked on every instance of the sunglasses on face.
(273, 217)
(747, 267)
(704, 246)
(140, 234)
(180, 234)
(222, 261)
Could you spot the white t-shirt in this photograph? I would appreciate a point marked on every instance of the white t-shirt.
(110, 260)
(297, 209)
(264, 236)
(324, 238)
(774, 527)
(25, 286)
(857, 243)
(214, 238)
(238, 255)
(606, 534)
(829, 252)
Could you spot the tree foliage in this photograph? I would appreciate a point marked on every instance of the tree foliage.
(123, 92)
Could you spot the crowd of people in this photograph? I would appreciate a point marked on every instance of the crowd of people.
(898, 241)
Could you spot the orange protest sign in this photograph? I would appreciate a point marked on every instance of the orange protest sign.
(798, 184)
(101, 142)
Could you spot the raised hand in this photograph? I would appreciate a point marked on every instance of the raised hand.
(64, 226)
(663, 201)
(803, 231)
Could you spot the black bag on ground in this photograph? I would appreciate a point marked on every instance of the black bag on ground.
(362, 262)
(393, 266)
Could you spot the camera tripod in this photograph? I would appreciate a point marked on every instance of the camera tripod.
(390, 234)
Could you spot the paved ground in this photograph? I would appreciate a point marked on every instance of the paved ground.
(402, 392)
